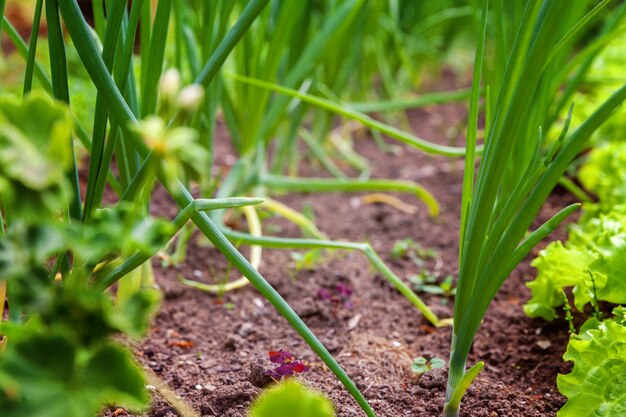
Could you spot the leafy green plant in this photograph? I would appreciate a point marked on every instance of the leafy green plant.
(596, 383)
(591, 262)
(291, 399)
(603, 172)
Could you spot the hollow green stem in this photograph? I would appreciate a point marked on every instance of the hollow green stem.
(278, 182)
(293, 216)
(215, 62)
(60, 88)
(423, 100)
(32, 48)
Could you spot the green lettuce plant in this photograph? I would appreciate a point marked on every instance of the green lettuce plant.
(590, 262)
(595, 386)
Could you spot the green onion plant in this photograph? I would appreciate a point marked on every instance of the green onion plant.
(534, 41)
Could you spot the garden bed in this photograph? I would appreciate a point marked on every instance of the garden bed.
(212, 352)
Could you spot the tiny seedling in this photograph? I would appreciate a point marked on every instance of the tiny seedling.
(429, 283)
(421, 365)
(409, 249)
(307, 260)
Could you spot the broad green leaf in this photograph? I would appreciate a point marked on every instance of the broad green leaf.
(46, 123)
(596, 387)
(291, 399)
(111, 375)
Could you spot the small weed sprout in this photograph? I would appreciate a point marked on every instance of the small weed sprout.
(287, 365)
(421, 365)
(429, 283)
(409, 249)
(307, 260)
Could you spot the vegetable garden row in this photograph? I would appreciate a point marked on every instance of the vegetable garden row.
(159, 155)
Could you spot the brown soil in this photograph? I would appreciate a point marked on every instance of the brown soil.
(377, 338)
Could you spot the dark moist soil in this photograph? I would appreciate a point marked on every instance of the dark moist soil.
(212, 351)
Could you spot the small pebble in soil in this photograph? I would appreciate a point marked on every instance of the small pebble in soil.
(245, 329)
(544, 344)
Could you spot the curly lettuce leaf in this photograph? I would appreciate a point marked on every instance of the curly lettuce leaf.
(596, 387)
(608, 272)
(558, 267)
(596, 247)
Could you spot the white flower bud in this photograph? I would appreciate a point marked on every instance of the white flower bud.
(191, 97)
(170, 84)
